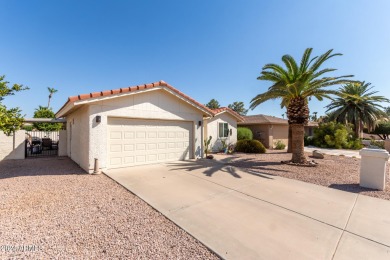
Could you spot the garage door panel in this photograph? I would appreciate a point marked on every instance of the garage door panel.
(128, 147)
(135, 142)
(116, 161)
(115, 148)
(129, 159)
(116, 135)
(140, 158)
(129, 135)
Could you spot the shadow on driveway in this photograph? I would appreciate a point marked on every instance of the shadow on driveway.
(351, 187)
(210, 167)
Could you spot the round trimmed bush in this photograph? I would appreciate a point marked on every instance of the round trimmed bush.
(244, 133)
(279, 145)
(250, 146)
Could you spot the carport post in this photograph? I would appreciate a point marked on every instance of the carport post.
(96, 168)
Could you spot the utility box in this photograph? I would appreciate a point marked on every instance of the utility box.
(373, 168)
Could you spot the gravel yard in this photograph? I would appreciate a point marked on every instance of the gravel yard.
(52, 206)
(338, 172)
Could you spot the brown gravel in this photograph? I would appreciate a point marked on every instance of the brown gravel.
(338, 172)
(50, 203)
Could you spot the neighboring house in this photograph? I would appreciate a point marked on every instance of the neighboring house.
(222, 127)
(144, 124)
(270, 129)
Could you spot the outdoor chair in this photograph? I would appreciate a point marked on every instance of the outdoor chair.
(54, 145)
(46, 143)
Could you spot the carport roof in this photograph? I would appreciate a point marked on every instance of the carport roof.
(78, 100)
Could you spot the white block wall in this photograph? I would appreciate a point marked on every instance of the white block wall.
(78, 137)
(12, 147)
(62, 144)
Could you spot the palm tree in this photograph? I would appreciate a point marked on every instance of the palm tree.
(295, 85)
(387, 111)
(358, 105)
(314, 117)
(51, 92)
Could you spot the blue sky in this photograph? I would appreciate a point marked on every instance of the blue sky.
(206, 49)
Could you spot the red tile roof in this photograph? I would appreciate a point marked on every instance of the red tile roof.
(231, 111)
(160, 83)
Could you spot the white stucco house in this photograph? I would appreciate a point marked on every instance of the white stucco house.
(143, 124)
(222, 126)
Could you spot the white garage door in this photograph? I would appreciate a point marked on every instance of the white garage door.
(136, 142)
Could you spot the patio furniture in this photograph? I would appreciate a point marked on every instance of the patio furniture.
(35, 145)
(54, 145)
(46, 143)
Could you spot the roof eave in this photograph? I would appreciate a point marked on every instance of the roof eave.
(239, 119)
(68, 106)
(65, 109)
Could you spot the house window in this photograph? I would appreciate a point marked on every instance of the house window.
(223, 130)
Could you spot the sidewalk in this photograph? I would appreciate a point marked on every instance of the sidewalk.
(337, 152)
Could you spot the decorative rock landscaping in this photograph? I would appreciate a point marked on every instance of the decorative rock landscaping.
(51, 209)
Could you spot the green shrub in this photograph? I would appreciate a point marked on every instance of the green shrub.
(378, 143)
(250, 146)
(244, 133)
(279, 145)
(28, 127)
(308, 140)
(356, 144)
(335, 135)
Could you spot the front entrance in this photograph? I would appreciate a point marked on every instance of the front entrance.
(41, 143)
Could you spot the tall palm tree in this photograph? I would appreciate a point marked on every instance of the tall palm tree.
(51, 92)
(295, 85)
(358, 105)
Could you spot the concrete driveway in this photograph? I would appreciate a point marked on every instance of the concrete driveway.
(240, 215)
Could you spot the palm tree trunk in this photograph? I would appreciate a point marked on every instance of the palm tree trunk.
(48, 103)
(289, 146)
(298, 152)
(357, 129)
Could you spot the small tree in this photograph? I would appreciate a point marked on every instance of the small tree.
(213, 104)
(44, 112)
(239, 107)
(382, 130)
(10, 119)
(336, 135)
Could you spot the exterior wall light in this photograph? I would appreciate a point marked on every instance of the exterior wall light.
(200, 123)
(98, 119)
